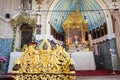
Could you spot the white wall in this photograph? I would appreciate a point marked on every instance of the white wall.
(109, 3)
(12, 7)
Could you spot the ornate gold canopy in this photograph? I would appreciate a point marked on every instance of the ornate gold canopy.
(75, 21)
(23, 19)
(44, 63)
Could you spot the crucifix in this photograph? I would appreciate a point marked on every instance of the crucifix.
(115, 5)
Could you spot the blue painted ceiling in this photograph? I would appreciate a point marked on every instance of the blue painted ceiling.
(89, 8)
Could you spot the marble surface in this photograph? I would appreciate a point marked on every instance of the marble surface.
(5, 50)
(84, 60)
(103, 58)
(13, 57)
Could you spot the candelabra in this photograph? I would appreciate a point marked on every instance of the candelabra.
(113, 70)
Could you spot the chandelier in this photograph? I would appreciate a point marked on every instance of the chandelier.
(27, 11)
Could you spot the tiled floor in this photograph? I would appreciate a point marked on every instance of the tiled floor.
(98, 78)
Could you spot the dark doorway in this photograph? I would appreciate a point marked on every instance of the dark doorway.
(26, 34)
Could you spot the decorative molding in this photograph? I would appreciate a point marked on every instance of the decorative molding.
(104, 38)
(8, 20)
(6, 37)
(50, 37)
(23, 18)
(108, 15)
(4, 19)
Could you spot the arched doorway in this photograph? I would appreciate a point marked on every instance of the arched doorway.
(26, 35)
(23, 27)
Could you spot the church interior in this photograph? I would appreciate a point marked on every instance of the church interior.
(59, 39)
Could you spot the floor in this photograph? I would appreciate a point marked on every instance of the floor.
(77, 78)
(98, 78)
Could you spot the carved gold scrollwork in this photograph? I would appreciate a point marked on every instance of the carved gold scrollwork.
(44, 63)
(75, 20)
(23, 19)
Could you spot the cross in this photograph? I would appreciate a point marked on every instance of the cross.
(115, 5)
(39, 7)
(39, 1)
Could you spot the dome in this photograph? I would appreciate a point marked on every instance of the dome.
(90, 9)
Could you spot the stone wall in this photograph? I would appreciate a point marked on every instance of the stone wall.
(5, 49)
(103, 59)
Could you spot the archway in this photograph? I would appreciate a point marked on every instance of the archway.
(26, 35)
(17, 22)
(99, 3)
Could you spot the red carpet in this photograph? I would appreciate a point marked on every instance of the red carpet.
(98, 72)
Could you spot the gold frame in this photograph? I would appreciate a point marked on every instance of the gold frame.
(73, 20)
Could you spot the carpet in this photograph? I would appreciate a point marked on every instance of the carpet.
(98, 72)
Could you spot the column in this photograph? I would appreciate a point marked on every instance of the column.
(116, 16)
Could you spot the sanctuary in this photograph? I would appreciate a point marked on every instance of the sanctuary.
(51, 37)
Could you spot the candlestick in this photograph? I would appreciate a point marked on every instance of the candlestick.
(113, 70)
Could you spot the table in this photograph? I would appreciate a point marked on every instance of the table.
(13, 57)
(84, 60)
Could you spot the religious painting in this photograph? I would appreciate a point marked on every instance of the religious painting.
(75, 35)
(26, 38)
(26, 34)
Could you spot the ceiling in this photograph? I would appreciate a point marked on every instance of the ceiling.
(89, 9)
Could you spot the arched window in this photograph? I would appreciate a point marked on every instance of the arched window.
(94, 34)
(26, 34)
(105, 28)
(101, 31)
(98, 32)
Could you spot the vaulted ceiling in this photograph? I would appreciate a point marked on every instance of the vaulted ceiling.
(89, 8)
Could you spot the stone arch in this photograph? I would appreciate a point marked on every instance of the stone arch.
(100, 2)
(17, 22)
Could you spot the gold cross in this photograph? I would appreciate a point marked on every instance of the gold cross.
(39, 7)
(114, 0)
(115, 5)
(39, 1)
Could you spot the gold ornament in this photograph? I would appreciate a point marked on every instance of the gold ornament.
(75, 20)
(23, 19)
(44, 64)
(39, 1)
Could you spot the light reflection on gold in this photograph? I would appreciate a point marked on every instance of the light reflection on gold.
(44, 64)
(76, 21)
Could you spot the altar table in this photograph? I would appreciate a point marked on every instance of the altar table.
(13, 57)
(84, 60)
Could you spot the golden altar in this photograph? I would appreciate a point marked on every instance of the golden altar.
(77, 32)
(45, 63)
